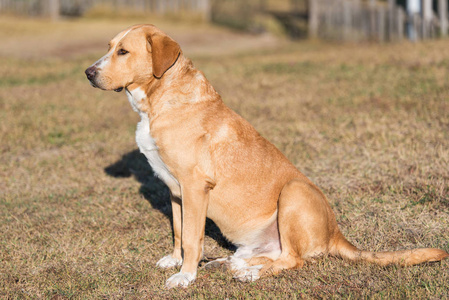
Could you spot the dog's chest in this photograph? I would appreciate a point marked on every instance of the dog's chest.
(147, 144)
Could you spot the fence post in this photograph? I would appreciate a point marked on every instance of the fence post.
(206, 10)
(381, 21)
(391, 15)
(54, 9)
(313, 18)
(347, 13)
(356, 20)
(372, 18)
(442, 11)
(400, 19)
(427, 15)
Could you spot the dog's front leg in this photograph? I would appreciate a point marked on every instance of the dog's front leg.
(175, 259)
(195, 198)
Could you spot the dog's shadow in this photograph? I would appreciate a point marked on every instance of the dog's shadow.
(154, 190)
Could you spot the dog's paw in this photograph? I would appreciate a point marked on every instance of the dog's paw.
(248, 273)
(234, 263)
(169, 261)
(180, 279)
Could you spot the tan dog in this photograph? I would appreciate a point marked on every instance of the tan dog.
(216, 165)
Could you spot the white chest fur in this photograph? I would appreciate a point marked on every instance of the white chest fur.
(147, 144)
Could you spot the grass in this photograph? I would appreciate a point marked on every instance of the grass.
(82, 217)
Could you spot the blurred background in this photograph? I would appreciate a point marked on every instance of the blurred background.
(377, 20)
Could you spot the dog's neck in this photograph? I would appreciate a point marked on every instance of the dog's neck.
(155, 94)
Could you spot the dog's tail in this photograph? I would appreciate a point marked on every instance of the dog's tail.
(344, 249)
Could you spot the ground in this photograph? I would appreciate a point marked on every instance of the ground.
(81, 216)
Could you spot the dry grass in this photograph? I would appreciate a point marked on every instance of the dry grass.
(82, 217)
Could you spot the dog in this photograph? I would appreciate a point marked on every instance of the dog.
(217, 165)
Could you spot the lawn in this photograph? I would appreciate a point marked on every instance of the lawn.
(81, 215)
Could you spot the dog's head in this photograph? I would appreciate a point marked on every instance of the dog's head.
(135, 55)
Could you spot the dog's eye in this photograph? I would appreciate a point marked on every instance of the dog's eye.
(122, 52)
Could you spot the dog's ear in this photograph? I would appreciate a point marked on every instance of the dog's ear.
(164, 51)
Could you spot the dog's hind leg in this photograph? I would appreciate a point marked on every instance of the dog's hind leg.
(261, 266)
(305, 223)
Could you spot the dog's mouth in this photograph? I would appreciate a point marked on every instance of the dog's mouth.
(93, 84)
(119, 89)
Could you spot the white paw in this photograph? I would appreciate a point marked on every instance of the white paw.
(248, 273)
(234, 263)
(168, 261)
(180, 279)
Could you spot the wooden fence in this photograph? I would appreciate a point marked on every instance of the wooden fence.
(55, 8)
(375, 20)
(353, 20)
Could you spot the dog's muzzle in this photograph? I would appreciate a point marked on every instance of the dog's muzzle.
(91, 73)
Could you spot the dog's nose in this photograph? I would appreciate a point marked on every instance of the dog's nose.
(91, 72)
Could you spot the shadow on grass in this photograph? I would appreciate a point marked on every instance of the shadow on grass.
(154, 190)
